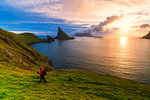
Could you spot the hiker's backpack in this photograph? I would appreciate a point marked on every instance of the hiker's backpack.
(44, 72)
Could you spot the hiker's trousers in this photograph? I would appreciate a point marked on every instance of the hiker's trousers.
(42, 77)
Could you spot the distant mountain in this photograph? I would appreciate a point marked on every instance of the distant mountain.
(61, 35)
(83, 35)
(147, 36)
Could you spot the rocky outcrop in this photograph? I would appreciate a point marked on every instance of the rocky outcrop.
(61, 35)
(50, 39)
(83, 35)
(147, 36)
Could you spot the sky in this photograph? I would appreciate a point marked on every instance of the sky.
(98, 17)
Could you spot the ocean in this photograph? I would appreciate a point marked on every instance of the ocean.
(123, 57)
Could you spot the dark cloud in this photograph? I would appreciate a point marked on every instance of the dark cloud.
(144, 26)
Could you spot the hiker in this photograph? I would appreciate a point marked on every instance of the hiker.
(42, 74)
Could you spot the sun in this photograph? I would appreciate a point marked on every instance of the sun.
(123, 40)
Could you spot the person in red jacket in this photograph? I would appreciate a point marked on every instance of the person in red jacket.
(41, 74)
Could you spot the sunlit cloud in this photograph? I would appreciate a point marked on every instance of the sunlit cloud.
(100, 28)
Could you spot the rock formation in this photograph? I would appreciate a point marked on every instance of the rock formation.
(61, 35)
(147, 36)
(50, 39)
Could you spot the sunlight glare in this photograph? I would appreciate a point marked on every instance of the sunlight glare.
(123, 40)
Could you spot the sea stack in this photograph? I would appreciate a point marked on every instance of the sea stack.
(147, 36)
(61, 35)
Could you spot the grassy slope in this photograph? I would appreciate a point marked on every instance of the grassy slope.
(29, 38)
(22, 84)
(15, 52)
(18, 83)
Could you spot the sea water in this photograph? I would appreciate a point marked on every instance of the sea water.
(123, 57)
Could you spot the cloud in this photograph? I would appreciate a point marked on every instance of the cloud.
(88, 12)
(108, 20)
(108, 32)
(101, 26)
(140, 30)
(142, 26)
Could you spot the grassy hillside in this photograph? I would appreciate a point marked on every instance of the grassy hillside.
(19, 80)
(29, 38)
(23, 84)
(14, 51)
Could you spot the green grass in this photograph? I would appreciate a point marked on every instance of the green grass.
(19, 80)
(16, 83)
(29, 38)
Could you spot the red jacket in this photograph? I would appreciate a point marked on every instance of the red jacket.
(41, 71)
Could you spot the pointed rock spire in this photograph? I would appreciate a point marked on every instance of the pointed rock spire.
(61, 35)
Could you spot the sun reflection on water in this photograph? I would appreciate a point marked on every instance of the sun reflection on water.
(123, 40)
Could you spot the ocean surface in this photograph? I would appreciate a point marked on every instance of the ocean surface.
(123, 57)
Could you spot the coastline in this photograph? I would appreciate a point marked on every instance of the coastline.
(37, 42)
(44, 41)
(19, 79)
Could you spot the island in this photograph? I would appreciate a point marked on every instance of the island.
(19, 64)
(83, 35)
(86, 35)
